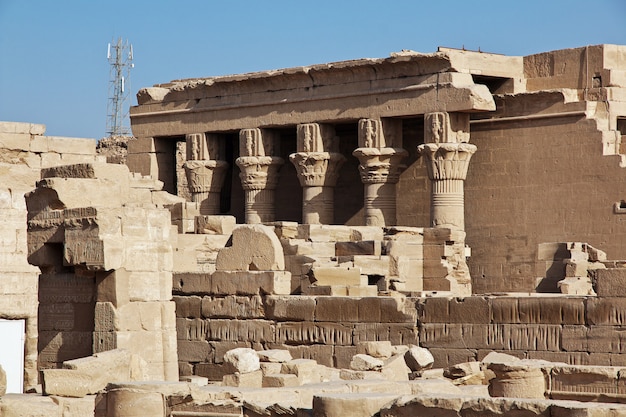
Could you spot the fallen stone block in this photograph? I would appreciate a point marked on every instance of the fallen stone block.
(395, 369)
(242, 360)
(307, 370)
(353, 404)
(377, 349)
(24, 405)
(280, 380)
(461, 370)
(352, 375)
(271, 368)
(274, 355)
(255, 247)
(576, 286)
(363, 362)
(83, 376)
(517, 380)
(251, 379)
(418, 358)
(215, 225)
(336, 276)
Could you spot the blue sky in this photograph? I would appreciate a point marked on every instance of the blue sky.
(53, 66)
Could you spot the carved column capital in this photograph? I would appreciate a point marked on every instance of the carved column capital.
(205, 171)
(447, 161)
(317, 169)
(380, 165)
(380, 156)
(205, 176)
(259, 172)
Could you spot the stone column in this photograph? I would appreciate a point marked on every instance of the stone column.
(205, 171)
(380, 155)
(259, 173)
(448, 155)
(317, 162)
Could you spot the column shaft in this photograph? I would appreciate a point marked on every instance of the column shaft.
(317, 205)
(380, 204)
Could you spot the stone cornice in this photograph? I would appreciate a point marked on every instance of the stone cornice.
(340, 92)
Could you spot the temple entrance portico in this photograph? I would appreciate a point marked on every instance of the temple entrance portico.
(312, 138)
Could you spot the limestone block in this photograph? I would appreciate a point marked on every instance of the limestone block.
(15, 141)
(191, 282)
(330, 290)
(274, 355)
(377, 349)
(21, 405)
(306, 370)
(271, 368)
(362, 290)
(418, 358)
(611, 282)
(195, 379)
(21, 127)
(76, 146)
(395, 369)
(242, 360)
(353, 404)
(323, 233)
(69, 383)
(250, 283)
(517, 380)
(336, 276)
(280, 380)
(232, 306)
(576, 286)
(113, 286)
(372, 265)
(135, 403)
(352, 375)
(363, 362)
(367, 247)
(290, 308)
(337, 309)
(250, 379)
(254, 248)
(76, 407)
(220, 225)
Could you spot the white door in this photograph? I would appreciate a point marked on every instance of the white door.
(12, 353)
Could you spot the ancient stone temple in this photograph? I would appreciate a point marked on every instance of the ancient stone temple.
(412, 235)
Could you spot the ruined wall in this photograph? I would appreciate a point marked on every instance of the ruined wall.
(534, 181)
(326, 329)
(24, 150)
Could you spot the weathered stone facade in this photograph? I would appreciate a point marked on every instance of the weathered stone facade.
(277, 230)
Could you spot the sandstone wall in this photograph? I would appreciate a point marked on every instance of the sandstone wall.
(24, 150)
(570, 329)
(574, 330)
(535, 181)
(326, 329)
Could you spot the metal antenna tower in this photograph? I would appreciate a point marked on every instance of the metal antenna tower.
(120, 56)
